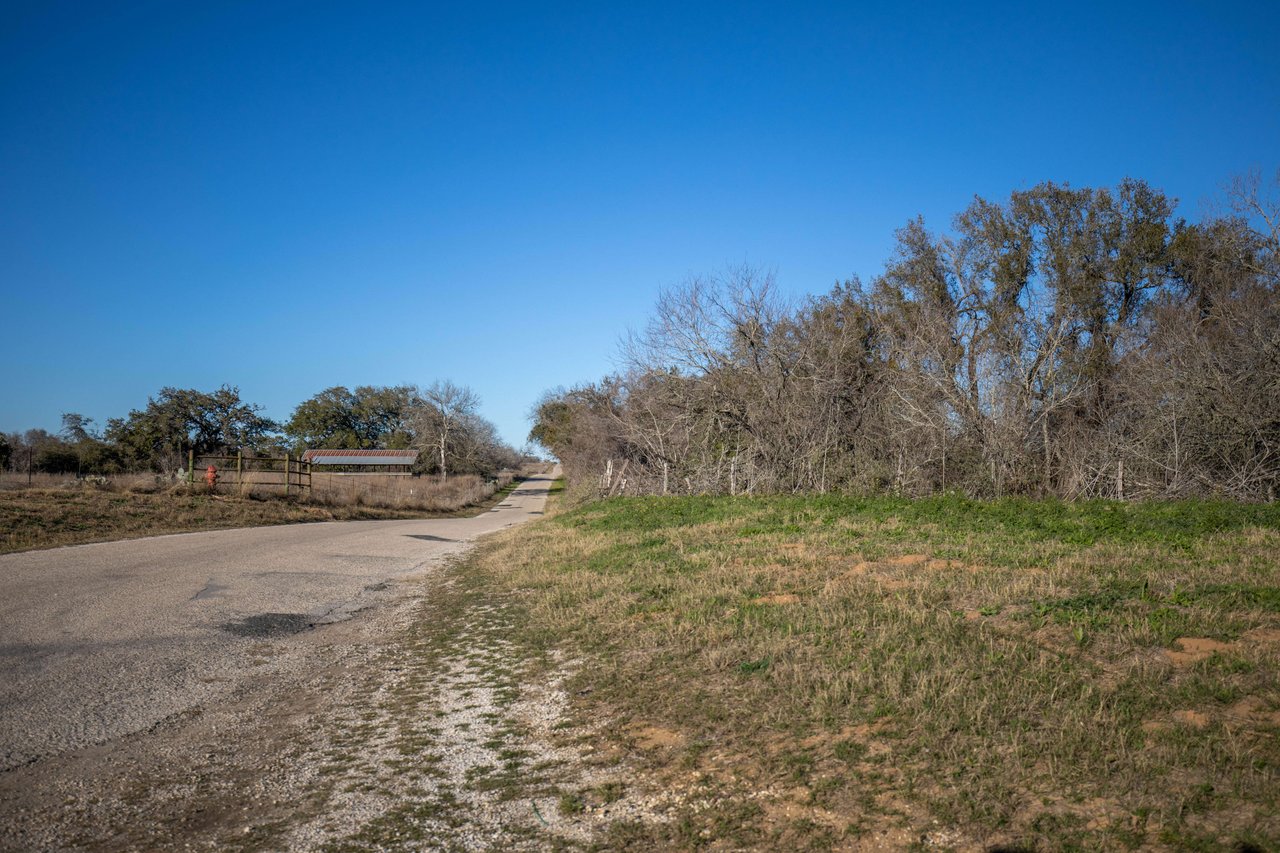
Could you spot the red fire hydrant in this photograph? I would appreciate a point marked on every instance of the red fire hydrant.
(211, 475)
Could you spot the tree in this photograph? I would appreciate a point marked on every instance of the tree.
(179, 419)
(1007, 337)
(93, 455)
(440, 420)
(1076, 342)
(581, 427)
(57, 458)
(6, 451)
(1206, 400)
(76, 428)
(369, 417)
(479, 450)
(552, 419)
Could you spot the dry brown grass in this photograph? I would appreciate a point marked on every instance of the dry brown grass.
(392, 492)
(48, 518)
(15, 481)
(71, 512)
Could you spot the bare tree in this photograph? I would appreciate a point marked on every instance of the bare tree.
(441, 417)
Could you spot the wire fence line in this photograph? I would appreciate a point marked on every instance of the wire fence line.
(265, 477)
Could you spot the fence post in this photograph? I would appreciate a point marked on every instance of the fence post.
(240, 470)
(191, 465)
(286, 475)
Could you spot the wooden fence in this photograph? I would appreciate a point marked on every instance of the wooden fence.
(240, 471)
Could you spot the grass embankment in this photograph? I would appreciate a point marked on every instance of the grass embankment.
(49, 518)
(940, 673)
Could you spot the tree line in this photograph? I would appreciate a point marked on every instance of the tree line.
(441, 420)
(1065, 342)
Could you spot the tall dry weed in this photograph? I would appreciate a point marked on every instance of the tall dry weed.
(398, 492)
(133, 483)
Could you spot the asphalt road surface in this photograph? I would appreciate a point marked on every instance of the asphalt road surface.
(102, 641)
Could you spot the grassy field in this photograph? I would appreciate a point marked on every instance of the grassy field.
(892, 674)
(82, 513)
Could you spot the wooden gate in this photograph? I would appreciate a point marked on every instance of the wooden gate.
(287, 473)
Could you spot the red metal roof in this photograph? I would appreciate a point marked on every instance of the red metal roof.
(361, 457)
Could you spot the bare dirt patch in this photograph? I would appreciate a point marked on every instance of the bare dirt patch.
(1194, 719)
(1252, 710)
(776, 598)
(1192, 650)
(655, 737)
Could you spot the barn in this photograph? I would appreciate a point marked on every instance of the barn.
(363, 461)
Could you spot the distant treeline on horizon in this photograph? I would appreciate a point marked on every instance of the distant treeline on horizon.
(441, 419)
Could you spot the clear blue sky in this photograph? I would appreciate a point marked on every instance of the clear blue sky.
(289, 196)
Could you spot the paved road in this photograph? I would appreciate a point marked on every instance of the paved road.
(102, 641)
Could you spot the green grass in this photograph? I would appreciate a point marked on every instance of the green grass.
(1167, 524)
(1005, 670)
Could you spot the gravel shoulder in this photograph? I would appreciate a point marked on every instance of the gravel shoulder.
(410, 725)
